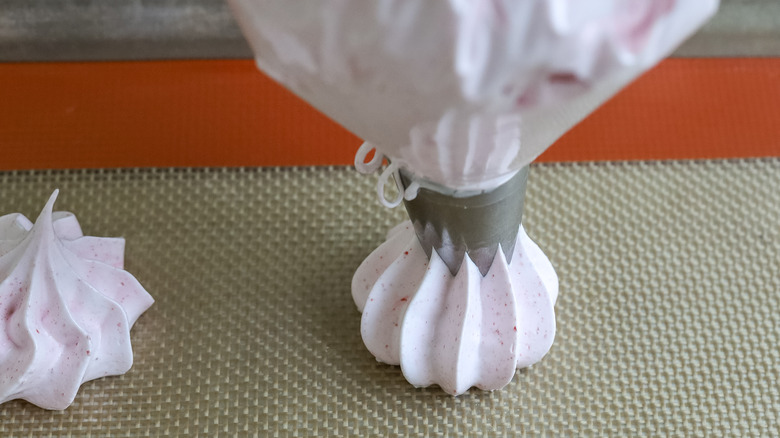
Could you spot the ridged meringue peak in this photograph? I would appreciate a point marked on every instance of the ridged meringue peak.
(66, 308)
(457, 331)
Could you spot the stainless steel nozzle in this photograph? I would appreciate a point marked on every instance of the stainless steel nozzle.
(475, 225)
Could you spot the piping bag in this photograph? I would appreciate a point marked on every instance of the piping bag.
(458, 97)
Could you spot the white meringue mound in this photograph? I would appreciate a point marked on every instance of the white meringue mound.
(455, 331)
(66, 308)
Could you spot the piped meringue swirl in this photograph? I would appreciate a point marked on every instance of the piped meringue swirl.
(66, 308)
(455, 331)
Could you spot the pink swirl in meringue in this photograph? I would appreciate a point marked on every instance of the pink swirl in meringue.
(66, 308)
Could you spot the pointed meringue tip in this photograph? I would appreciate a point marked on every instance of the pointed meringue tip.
(46, 213)
(50, 203)
(502, 256)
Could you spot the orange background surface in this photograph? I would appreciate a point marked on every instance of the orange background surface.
(226, 113)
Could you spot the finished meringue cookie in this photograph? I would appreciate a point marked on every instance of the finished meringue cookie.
(66, 308)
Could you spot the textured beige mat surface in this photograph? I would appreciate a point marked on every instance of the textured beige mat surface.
(668, 314)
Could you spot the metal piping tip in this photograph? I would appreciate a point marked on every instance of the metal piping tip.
(475, 225)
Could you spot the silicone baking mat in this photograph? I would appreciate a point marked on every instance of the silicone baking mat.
(668, 314)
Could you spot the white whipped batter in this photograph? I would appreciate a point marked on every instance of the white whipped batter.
(66, 308)
(455, 331)
(462, 92)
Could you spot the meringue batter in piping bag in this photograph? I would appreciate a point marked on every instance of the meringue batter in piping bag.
(460, 96)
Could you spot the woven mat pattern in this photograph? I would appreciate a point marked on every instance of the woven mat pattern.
(668, 314)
